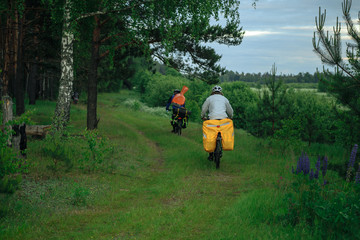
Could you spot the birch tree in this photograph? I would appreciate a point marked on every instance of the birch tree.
(62, 110)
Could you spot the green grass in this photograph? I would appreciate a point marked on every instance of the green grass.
(159, 185)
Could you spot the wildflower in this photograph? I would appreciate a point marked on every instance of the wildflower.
(311, 175)
(299, 166)
(317, 166)
(353, 156)
(303, 165)
(357, 178)
(351, 162)
(324, 166)
(306, 166)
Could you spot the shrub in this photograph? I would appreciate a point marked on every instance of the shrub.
(95, 152)
(160, 88)
(56, 146)
(11, 165)
(240, 97)
(289, 134)
(80, 195)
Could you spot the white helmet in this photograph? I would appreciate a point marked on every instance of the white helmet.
(216, 89)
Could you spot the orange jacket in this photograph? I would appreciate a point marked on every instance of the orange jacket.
(180, 98)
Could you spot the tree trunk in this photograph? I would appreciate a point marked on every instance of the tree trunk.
(19, 78)
(19, 139)
(32, 89)
(92, 120)
(32, 83)
(7, 110)
(9, 58)
(9, 66)
(14, 36)
(62, 111)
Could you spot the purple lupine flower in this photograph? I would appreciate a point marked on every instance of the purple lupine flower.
(299, 166)
(353, 156)
(351, 162)
(303, 165)
(306, 164)
(311, 175)
(325, 182)
(317, 166)
(316, 174)
(357, 178)
(324, 166)
(318, 163)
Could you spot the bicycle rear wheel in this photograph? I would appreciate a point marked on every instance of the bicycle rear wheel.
(179, 126)
(218, 151)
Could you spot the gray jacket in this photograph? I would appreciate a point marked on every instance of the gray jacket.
(218, 107)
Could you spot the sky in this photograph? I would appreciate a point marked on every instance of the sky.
(281, 32)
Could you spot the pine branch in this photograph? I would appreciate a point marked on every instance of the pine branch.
(332, 52)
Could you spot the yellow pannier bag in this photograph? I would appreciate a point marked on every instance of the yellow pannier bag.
(210, 132)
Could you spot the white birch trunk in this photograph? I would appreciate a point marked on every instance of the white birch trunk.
(62, 111)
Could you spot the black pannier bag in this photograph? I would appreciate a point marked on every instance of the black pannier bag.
(181, 112)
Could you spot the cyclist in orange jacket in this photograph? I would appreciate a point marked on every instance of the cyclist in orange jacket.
(176, 91)
(174, 107)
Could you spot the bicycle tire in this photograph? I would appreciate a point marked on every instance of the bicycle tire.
(179, 127)
(218, 151)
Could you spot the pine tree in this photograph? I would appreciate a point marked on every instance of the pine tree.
(344, 83)
(272, 99)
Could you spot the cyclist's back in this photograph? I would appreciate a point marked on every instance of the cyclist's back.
(217, 105)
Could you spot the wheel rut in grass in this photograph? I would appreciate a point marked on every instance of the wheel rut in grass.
(154, 146)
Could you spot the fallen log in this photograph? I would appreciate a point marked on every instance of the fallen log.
(37, 130)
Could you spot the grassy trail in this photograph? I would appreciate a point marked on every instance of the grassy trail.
(164, 188)
(179, 190)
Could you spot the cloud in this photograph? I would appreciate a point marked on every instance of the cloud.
(298, 27)
(251, 33)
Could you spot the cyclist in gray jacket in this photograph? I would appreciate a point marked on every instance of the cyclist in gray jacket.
(218, 107)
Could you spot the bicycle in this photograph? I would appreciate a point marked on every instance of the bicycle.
(180, 119)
